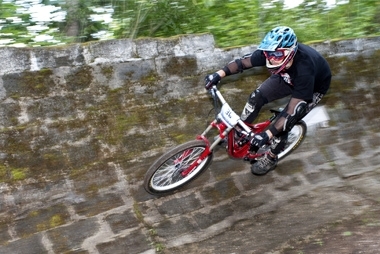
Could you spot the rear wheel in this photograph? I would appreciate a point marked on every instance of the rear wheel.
(165, 174)
(296, 136)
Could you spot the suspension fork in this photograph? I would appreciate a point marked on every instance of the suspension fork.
(204, 154)
(223, 132)
(201, 157)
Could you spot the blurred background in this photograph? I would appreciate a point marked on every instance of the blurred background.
(232, 22)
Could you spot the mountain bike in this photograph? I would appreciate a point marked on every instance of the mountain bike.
(183, 163)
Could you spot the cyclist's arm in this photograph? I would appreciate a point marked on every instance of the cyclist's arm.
(238, 65)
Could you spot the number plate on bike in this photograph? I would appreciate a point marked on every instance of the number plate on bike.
(228, 116)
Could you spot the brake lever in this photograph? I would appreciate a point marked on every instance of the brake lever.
(212, 92)
(214, 98)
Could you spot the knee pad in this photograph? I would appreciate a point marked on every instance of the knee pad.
(253, 106)
(300, 111)
(256, 99)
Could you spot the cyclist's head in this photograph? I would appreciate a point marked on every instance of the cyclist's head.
(279, 47)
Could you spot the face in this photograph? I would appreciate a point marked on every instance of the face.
(276, 57)
(275, 61)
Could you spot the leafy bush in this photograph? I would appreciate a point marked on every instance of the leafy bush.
(232, 22)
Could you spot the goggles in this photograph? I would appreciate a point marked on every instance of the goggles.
(277, 55)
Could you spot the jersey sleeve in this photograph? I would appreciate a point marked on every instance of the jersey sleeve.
(247, 61)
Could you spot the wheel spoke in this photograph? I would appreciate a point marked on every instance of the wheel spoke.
(170, 172)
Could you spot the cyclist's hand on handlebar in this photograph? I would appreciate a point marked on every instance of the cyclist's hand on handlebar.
(211, 80)
(260, 139)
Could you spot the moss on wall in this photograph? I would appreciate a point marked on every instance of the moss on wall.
(181, 66)
(68, 118)
(28, 84)
(80, 78)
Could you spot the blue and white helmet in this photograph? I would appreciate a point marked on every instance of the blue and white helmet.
(280, 38)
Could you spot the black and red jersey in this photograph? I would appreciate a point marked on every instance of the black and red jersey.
(309, 73)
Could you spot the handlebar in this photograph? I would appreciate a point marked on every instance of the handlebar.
(216, 93)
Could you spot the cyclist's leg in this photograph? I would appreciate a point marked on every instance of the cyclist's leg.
(271, 89)
(295, 110)
(278, 147)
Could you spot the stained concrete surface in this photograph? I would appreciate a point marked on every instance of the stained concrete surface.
(322, 209)
(76, 141)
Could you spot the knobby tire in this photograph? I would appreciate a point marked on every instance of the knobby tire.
(164, 176)
(295, 139)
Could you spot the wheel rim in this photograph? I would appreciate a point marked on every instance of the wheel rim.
(293, 139)
(168, 176)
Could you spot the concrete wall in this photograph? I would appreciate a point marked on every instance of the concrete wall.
(80, 124)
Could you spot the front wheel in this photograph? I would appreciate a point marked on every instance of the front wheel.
(165, 174)
(296, 136)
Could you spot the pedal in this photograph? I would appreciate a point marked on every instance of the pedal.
(251, 161)
(242, 141)
(246, 159)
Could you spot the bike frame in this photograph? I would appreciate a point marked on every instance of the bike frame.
(226, 121)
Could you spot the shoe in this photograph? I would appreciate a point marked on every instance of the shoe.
(264, 165)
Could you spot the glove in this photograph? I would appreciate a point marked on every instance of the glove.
(211, 80)
(260, 139)
(316, 99)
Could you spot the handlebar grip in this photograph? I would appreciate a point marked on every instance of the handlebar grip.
(209, 85)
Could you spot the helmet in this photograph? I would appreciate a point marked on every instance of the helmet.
(279, 46)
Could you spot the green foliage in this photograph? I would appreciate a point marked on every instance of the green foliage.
(8, 22)
(317, 22)
(232, 22)
(237, 24)
(7, 10)
(159, 18)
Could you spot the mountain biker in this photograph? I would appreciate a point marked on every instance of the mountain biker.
(296, 70)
